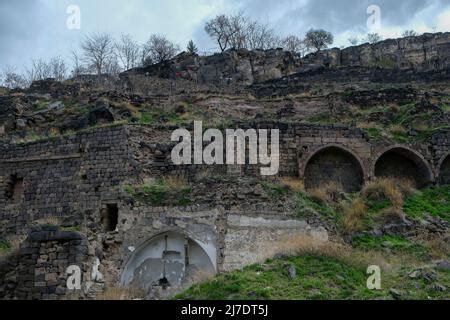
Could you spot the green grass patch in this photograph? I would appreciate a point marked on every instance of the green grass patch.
(305, 206)
(159, 116)
(41, 105)
(373, 133)
(397, 244)
(161, 193)
(147, 118)
(318, 277)
(71, 229)
(431, 201)
(275, 190)
(4, 246)
(321, 118)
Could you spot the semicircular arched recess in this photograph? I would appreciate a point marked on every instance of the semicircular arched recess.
(403, 163)
(334, 164)
(444, 171)
(169, 260)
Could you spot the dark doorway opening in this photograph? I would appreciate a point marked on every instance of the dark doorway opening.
(110, 217)
(15, 189)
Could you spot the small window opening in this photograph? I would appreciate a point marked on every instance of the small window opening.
(110, 217)
(14, 191)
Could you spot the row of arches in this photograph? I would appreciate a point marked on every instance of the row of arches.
(338, 164)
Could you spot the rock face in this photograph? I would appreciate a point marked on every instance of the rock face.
(38, 270)
(423, 53)
(230, 67)
(428, 52)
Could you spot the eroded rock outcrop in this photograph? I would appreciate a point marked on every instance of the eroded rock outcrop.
(425, 53)
(428, 52)
(231, 67)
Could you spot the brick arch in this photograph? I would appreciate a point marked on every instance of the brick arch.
(165, 255)
(334, 163)
(400, 161)
(443, 170)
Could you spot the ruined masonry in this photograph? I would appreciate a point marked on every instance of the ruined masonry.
(116, 239)
(80, 179)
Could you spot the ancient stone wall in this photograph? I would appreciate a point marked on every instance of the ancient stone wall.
(78, 179)
(68, 178)
(38, 270)
(301, 147)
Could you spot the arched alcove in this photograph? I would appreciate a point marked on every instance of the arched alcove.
(168, 260)
(403, 163)
(334, 164)
(444, 171)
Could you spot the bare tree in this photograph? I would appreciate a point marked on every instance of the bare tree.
(260, 36)
(191, 47)
(373, 38)
(78, 68)
(127, 52)
(295, 44)
(239, 28)
(39, 70)
(221, 30)
(409, 33)
(112, 66)
(97, 51)
(145, 56)
(354, 41)
(158, 49)
(58, 68)
(241, 32)
(318, 39)
(11, 79)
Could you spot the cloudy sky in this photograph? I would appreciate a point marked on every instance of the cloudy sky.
(38, 28)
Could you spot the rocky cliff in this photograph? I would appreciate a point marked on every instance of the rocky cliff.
(231, 67)
(424, 53)
(427, 52)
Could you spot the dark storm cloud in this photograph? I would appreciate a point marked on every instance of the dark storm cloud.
(342, 15)
(335, 15)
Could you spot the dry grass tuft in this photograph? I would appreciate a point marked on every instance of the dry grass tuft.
(406, 186)
(128, 107)
(293, 184)
(392, 214)
(14, 244)
(327, 193)
(49, 221)
(16, 241)
(301, 244)
(354, 214)
(397, 129)
(319, 196)
(439, 247)
(384, 189)
(199, 276)
(118, 293)
(175, 182)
